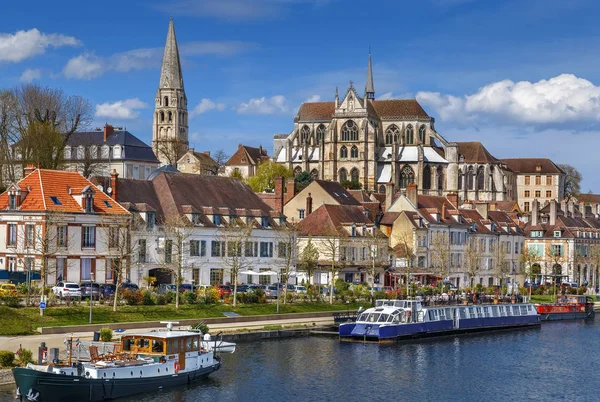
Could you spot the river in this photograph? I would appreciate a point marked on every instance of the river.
(555, 362)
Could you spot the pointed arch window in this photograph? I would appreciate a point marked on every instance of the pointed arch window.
(392, 135)
(407, 176)
(343, 152)
(440, 178)
(427, 178)
(382, 189)
(354, 152)
(480, 178)
(460, 179)
(304, 135)
(343, 175)
(354, 175)
(314, 173)
(410, 137)
(350, 131)
(297, 170)
(320, 134)
(422, 134)
(166, 101)
(170, 116)
(162, 116)
(470, 178)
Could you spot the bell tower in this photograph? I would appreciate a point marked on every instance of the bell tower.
(170, 127)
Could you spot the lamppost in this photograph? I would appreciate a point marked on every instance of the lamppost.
(91, 294)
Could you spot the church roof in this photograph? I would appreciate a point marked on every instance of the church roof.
(384, 109)
(170, 74)
(475, 152)
(370, 88)
(530, 165)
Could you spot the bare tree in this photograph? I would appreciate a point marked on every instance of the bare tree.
(221, 158)
(572, 181)
(405, 252)
(333, 246)
(555, 258)
(529, 258)
(472, 259)
(440, 253)
(170, 150)
(309, 261)
(287, 252)
(503, 268)
(91, 162)
(594, 258)
(236, 250)
(8, 135)
(377, 248)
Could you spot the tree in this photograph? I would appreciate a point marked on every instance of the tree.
(302, 180)
(236, 251)
(594, 258)
(309, 261)
(236, 174)
(334, 250)
(8, 136)
(170, 150)
(503, 268)
(177, 229)
(351, 185)
(529, 258)
(405, 252)
(572, 181)
(472, 259)
(554, 257)
(221, 158)
(90, 163)
(267, 171)
(287, 252)
(377, 247)
(440, 253)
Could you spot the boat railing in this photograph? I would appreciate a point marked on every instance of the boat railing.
(81, 349)
(345, 316)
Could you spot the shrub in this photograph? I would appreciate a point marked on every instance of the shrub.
(7, 358)
(22, 288)
(132, 298)
(202, 327)
(162, 299)
(25, 356)
(170, 297)
(189, 297)
(148, 298)
(211, 295)
(106, 334)
(11, 301)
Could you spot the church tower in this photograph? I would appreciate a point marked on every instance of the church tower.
(369, 87)
(170, 127)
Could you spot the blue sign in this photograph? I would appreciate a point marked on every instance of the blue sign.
(42, 305)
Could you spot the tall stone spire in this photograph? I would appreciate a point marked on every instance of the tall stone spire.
(170, 128)
(170, 74)
(369, 87)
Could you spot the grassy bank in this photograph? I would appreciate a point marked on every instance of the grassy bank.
(24, 321)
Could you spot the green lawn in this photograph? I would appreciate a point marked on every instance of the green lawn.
(542, 298)
(24, 321)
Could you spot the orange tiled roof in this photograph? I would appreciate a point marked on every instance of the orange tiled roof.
(39, 187)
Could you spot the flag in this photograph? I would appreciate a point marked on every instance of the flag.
(77, 342)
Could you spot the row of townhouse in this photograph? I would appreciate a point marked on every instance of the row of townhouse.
(206, 229)
(432, 238)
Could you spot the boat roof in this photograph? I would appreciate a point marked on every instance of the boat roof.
(165, 334)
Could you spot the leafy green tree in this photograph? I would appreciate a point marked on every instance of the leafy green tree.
(351, 185)
(309, 261)
(302, 181)
(572, 181)
(264, 179)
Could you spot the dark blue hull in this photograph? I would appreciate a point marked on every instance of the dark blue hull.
(393, 333)
(566, 316)
(44, 387)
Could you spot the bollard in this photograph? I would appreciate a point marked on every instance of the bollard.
(42, 353)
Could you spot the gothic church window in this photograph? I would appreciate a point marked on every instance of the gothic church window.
(350, 131)
(162, 116)
(304, 135)
(440, 178)
(170, 116)
(354, 175)
(407, 176)
(320, 134)
(382, 189)
(297, 171)
(343, 152)
(426, 178)
(392, 134)
(343, 175)
(314, 173)
(166, 102)
(480, 178)
(460, 179)
(354, 152)
(422, 134)
(409, 135)
(470, 178)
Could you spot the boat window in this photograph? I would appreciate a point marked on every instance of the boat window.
(143, 343)
(374, 317)
(362, 317)
(515, 310)
(157, 346)
(430, 313)
(463, 314)
(495, 311)
(379, 303)
(507, 311)
(196, 342)
(441, 314)
(127, 343)
(530, 308)
(523, 310)
(171, 348)
(486, 311)
(472, 313)
(397, 319)
(188, 344)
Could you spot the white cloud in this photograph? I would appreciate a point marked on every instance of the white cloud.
(84, 67)
(25, 44)
(274, 105)
(314, 98)
(122, 109)
(565, 98)
(31, 74)
(206, 105)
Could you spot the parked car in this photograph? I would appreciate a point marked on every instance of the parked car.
(8, 289)
(129, 286)
(224, 290)
(451, 286)
(388, 289)
(270, 291)
(300, 289)
(165, 288)
(107, 290)
(570, 284)
(90, 289)
(241, 288)
(186, 287)
(66, 289)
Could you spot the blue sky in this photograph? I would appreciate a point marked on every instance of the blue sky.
(520, 76)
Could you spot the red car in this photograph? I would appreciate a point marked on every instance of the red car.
(388, 289)
(224, 290)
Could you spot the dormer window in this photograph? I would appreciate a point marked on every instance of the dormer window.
(12, 201)
(196, 218)
(89, 203)
(265, 222)
(557, 233)
(217, 219)
(150, 220)
(353, 233)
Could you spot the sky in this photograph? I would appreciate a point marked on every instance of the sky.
(522, 77)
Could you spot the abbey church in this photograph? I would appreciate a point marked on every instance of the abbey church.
(364, 141)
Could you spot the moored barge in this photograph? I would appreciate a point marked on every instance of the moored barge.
(568, 307)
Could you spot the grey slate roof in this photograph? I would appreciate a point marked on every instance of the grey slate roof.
(370, 88)
(133, 148)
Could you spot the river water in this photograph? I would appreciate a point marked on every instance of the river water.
(558, 361)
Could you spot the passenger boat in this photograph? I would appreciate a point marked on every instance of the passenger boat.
(393, 320)
(140, 363)
(567, 308)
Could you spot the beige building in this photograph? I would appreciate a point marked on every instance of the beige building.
(198, 163)
(245, 161)
(317, 193)
(536, 179)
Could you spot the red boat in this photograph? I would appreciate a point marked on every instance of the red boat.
(568, 307)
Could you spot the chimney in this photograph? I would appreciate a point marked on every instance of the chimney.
(108, 130)
(563, 207)
(453, 198)
(290, 190)
(30, 168)
(582, 209)
(467, 205)
(389, 195)
(444, 215)
(114, 184)
(308, 204)
(207, 153)
(482, 208)
(535, 212)
(571, 207)
(552, 212)
(280, 196)
(411, 194)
